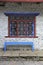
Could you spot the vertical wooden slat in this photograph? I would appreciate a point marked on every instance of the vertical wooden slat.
(34, 26)
(17, 28)
(8, 26)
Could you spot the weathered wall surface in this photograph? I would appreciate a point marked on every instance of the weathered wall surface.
(21, 62)
(24, 7)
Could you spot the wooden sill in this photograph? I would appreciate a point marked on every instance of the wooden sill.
(21, 36)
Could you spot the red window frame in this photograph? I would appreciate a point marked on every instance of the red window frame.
(21, 0)
(21, 36)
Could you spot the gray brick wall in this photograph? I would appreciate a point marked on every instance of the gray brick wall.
(24, 7)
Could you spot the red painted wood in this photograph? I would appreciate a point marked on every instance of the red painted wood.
(8, 25)
(22, 20)
(21, 36)
(34, 26)
(21, 0)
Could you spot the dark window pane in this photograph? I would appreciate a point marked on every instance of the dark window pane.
(13, 28)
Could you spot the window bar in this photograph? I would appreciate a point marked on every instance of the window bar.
(34, 26)
(17, 28)
(8, 26)
(33, 29)
(26, 28)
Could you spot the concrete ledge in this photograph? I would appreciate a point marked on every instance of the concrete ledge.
(21, 53)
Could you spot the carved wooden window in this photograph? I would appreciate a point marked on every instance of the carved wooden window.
(22, 24)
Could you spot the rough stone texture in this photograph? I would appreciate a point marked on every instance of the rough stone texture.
(24, 7)
(21, 62)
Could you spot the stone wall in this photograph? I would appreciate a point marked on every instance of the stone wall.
(23, 7)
